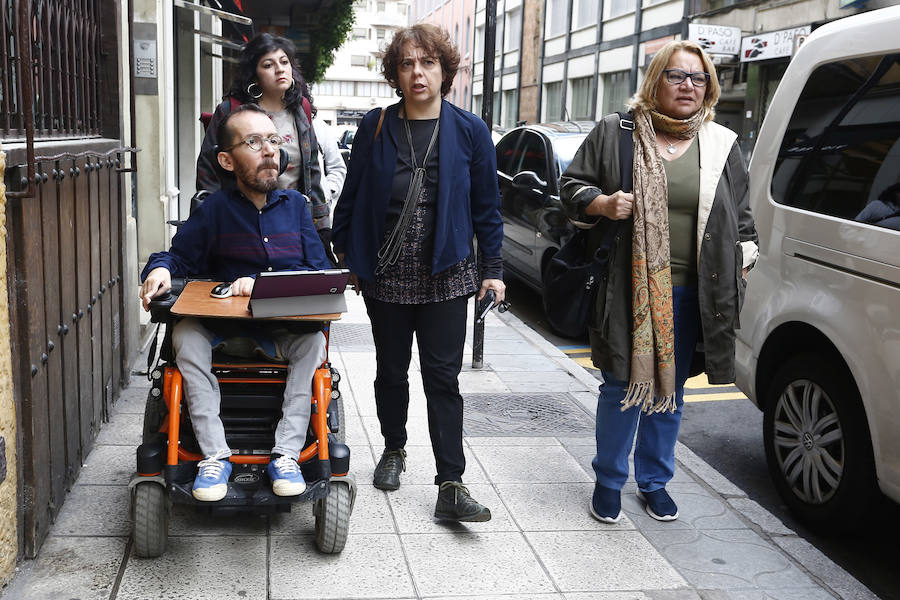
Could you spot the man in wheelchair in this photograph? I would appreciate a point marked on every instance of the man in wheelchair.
(233, 235)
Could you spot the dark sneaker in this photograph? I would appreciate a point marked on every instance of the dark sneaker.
(660, 505)
(606, 504)
(455, 504)
(387, 473)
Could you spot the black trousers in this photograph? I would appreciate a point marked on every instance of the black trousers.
(440, 329)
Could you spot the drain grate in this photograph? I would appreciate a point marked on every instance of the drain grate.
(533, 415)
(352, 336)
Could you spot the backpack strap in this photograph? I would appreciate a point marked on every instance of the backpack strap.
(626, 150)
(378, 128)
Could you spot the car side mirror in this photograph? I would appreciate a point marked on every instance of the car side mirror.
(529, 179)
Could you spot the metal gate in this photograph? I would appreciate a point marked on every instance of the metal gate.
(65, 242)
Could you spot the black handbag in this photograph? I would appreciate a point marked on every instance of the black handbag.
(572, 276)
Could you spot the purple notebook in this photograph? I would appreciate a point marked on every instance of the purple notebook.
(288, 293)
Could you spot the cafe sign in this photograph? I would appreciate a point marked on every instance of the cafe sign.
(716, 39)
(774, 44)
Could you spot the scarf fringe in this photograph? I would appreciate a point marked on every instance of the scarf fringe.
(641, 394)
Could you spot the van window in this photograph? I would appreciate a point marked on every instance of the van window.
(841, 151)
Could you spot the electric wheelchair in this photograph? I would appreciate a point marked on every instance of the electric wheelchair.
(251, 396)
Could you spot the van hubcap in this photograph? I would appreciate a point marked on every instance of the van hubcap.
(809, 441)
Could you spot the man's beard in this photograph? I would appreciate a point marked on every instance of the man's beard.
(251, 179)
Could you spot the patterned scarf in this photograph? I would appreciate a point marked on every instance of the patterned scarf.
(652, 384)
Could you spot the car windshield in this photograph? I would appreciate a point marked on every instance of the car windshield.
(566, 147)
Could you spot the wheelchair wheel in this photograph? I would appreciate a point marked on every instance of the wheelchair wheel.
(333, 518)
(151, 519)
(336, 407)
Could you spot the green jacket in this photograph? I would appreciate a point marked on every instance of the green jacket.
(726, 240)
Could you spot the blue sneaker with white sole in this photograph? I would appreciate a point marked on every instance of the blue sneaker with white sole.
(606, 504)
(660, 505)
(211, 483)
(287, 480)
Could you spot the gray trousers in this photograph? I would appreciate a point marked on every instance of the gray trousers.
(193, 354)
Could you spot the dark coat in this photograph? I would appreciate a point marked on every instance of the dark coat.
(726, 243)
(310, 182)
(468, 199)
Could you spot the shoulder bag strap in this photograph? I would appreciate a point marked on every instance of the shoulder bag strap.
(378, 128)
(626, 168)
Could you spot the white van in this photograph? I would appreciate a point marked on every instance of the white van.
(819, 345)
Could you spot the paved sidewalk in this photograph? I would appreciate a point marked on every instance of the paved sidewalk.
(529, 442)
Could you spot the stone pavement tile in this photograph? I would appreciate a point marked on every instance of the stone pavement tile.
(584, 455)
(480, 381)
(554, 507)
(556, 381)
(494, 331)
(355, 432)
(420, 467)
(371, 566)
(503, 597)
(95, 510)
(474, 441)
(822, 567)
(697, 509)
(371, 514)
(109, 465)
(69, 567)
(413, 507)
(124, 429)
(500, 363)
(583, 561)
(685, 594)
(469, 564)
(133, 399)
(416, 431)
(516, 346)
(198, 521)
(362, 464)
(704, 471)
(199, 568)
(728, 560)
(529, 464)
(793, 594)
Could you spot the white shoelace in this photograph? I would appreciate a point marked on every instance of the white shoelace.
(286, 465)
(211, 467)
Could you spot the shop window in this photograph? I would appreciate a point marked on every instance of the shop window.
(841, 150)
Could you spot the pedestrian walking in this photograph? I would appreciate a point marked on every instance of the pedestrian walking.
(422, 183)
(684, 240)
(269, 77)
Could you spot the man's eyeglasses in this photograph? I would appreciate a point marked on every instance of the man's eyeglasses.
(255, 142)
(676, 76)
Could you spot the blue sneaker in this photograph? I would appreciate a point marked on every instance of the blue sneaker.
(606, 504)
(287, 480)
(211, 483)
(660, 505)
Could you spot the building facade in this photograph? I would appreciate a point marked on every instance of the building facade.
(353, 85)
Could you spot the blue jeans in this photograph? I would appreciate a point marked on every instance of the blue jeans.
(654, 452)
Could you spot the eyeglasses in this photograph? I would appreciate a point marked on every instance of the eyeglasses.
(255, 142)
(676, 76)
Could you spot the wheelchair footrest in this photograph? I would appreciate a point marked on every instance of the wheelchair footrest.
(256, 495)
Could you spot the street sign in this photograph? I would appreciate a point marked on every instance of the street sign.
(716, 39)
(773, 44)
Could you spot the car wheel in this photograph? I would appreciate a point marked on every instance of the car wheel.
(817, 442)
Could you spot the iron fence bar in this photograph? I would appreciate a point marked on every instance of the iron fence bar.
(4, 48)
(24, 42)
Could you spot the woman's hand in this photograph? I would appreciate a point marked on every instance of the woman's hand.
(493, 284)
(616, 207)
(242, 286)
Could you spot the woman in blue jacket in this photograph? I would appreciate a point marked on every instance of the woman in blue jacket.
(422, 183)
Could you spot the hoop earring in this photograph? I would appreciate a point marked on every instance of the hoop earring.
(251, 94)
(399, 92)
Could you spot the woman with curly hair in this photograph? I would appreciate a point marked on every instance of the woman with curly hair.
(422, 184)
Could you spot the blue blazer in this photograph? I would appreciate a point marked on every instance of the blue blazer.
(468, 202)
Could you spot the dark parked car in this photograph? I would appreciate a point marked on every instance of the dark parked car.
(530, 160)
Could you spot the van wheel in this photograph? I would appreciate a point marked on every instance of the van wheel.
(151, 519)
(817, 442)
(333, 518)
